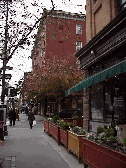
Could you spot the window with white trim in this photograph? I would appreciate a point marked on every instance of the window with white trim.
(78, 45)
(78, 29)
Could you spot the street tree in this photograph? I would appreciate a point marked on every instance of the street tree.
(53, 78)
(18, 27)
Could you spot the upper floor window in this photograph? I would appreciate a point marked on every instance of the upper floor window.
(78, 29)
(122, 4)
(78, 45)
(94, 1)
(60, 27)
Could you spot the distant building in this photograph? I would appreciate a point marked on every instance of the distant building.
(61, 34)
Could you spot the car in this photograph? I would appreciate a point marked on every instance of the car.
(70, 113)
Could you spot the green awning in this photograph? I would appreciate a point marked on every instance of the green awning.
(98, 77)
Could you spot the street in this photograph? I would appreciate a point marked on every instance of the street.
(34, 148)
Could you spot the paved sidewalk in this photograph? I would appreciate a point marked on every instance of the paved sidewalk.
(44, 149)
(8, 162)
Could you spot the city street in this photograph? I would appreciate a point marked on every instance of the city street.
(34, 148)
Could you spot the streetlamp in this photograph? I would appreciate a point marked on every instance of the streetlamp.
(3, 76)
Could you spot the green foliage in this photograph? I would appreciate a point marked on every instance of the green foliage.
(112, 138)
(76, 129)
(79, 131)
(108, 132)
(100, 130)
(124, 141)
(55, 118)
(105, 136)
(65, 126)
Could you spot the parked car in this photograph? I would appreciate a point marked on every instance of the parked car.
(70, 113)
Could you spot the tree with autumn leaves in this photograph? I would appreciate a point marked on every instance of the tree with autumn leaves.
(53, 78)
(56, 71)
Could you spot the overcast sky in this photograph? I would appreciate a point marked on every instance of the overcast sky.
(20, 61)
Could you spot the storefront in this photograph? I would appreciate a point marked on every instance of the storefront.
(104, 58)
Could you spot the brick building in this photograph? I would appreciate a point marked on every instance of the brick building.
(61, 34)
(104, 60)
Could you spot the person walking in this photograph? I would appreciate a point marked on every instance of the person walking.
(31, 118)
(26, 110)
(12, 116)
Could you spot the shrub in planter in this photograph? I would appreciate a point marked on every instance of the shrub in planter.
(75, 143)
(101, 149)
(55, 119)
(65, 126)
(79, 130)
(107, 139)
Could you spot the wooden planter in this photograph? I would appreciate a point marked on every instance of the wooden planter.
(46, 126)
(54, 130)
(63, 137)
(75, 145)
(97, 156)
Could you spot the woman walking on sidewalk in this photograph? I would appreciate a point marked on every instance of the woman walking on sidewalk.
(12, 116)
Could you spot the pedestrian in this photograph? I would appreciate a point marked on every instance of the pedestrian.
(17, 114)
(31, 118)
(26, 110)
(12, 116)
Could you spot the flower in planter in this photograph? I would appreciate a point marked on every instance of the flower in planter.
(79, 130)
(107, 139)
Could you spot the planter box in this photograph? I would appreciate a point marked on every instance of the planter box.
(63, 137)
(75, 145)
(97, 156)
(54, 130)
(46, 126)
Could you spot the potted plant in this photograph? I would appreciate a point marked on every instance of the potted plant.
(64, 127)
(54, 129)
(46, 125)
(75, 144)
(101, 149)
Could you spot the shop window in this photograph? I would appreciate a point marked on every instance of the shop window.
(78, 45)
(96, 95)
(78, 29)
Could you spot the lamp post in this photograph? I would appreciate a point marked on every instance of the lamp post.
(5, 60)
(5, 53)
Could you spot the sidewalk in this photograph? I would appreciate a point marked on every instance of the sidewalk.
(14, 156)
(8, 162)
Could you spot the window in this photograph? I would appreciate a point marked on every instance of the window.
(78, 29)
(60, 27)
(122, 4)
(78, 45)
(94, 1)
(96, 95)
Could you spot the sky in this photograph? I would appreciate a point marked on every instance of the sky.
(21, 61)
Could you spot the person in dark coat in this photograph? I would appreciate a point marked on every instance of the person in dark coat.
(31, 118)
(12, 116)
(26, 110)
